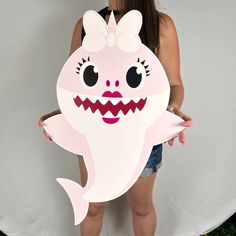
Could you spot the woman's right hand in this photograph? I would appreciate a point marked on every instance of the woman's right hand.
(44, 117)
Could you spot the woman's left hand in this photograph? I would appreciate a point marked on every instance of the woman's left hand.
(187, 123)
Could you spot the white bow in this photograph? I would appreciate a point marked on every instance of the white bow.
(125, 34)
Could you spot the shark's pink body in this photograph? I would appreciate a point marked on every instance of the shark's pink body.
(109, 118)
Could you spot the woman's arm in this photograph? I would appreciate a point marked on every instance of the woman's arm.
(169, 56)
(75, 44)
(76, 37)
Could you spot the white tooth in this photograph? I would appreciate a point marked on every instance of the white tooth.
(130, 112)
(109, 115)
(97, 112)
(82, 97)
(115, 101)
(103, 100)
(126, 100)
(93, 99)
(136, 99)
(120, 114)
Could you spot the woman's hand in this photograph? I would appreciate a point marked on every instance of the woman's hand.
(187, 123)
(44, 117)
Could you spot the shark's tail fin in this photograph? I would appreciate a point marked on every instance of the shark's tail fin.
(75, 193)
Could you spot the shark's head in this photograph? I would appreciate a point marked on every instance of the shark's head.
(113, 77)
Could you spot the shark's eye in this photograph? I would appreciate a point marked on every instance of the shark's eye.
(89, 74)
(136, 75)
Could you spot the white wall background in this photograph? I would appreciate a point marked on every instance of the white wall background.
(195, 190)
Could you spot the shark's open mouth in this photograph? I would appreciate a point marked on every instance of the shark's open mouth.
(114, 109)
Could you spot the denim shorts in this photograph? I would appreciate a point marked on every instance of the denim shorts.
(154, 161)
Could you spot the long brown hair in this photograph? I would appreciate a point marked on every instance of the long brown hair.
(149, 32)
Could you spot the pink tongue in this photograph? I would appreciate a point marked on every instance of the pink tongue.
(110, 120)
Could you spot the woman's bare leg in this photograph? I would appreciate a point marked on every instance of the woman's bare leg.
(139, 198)
(92, 223)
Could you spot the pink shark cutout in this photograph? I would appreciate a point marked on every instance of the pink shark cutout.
(113, 94)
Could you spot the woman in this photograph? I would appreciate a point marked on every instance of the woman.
(159, 34)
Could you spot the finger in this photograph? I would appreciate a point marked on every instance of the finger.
(188, 123)
(46, 136)
(40, 123)
(171, 142)
(170, 109)
(186, 118)
(44, 117)
(179, 113)
(181, 136)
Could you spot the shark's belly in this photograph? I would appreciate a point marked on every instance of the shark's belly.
(114, 168)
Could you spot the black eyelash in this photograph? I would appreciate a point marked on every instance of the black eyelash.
(145, 66)
(81, 63)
